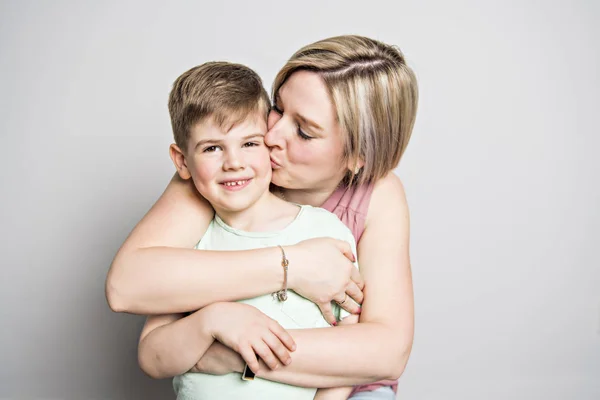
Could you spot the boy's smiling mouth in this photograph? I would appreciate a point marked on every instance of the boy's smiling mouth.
(235, 184)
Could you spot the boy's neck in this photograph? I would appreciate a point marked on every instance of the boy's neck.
(268, 213)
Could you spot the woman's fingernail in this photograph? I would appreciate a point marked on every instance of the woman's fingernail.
(359, 310)
(288, 361)
(334, 324)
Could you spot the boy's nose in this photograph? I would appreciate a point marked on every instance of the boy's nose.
(233, 161)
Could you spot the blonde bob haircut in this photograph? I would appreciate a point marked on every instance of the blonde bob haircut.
(375, 96)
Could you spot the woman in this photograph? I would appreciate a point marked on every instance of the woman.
(343, 114)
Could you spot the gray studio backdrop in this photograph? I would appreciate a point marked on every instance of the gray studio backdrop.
(501, 176)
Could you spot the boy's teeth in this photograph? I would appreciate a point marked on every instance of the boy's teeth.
(235, 183)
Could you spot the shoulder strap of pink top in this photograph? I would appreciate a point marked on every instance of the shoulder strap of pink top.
(351, 204)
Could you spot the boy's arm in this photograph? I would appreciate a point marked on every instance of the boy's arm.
(171, 344)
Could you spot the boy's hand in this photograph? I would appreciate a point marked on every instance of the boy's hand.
(219, 360)
(251, 333)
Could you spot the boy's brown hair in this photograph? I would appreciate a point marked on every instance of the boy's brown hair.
(224, 91)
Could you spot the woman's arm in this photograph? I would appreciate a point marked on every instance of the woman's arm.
(379, 346)
(340, 393)
(156, 271)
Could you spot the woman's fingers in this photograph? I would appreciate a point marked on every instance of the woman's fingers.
(357, 279)
(353, 293)
(346, 250)
(327, 312)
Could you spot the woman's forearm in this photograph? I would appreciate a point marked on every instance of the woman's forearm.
(157, 271)
(161, 280)
(344, 356)
(339, 393)
(174, 348)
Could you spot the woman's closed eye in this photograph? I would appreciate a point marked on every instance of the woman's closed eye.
(299, 130)
(303, 135)
(252, 144)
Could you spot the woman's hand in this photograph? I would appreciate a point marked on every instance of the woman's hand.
(322, 270)
(250, 333)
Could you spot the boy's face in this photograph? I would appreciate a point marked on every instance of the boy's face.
(232, 170)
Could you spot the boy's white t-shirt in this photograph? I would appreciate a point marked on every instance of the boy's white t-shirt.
(295, 313)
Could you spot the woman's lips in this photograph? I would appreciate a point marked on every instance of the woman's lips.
(275, 164)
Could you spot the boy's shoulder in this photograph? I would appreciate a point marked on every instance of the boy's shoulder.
(322, 220)
(319, 213)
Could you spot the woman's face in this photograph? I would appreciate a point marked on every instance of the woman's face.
(304, 136)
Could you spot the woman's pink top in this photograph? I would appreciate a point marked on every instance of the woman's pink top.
(351, 204)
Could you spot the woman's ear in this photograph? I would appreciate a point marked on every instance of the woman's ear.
(355, 165)
(179, 161)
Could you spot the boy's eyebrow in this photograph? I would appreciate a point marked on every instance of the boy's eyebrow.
(300, 117)
(253, 135)
(217, 141)
(205, 141)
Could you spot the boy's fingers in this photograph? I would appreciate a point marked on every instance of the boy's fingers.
(281, 352)
(265, 354)
(250, 357)
(283, 336)
(328, 313)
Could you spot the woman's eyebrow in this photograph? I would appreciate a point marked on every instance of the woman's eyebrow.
(299, 116)
(309, 122)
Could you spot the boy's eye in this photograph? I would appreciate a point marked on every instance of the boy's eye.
(251, 144)
(211, 149)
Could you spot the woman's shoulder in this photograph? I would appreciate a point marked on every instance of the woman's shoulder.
(388, 197)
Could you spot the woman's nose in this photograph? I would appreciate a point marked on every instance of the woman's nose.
(274, 137)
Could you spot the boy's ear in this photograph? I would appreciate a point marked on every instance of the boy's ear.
(179, 161)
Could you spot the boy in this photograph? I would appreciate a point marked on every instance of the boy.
(218, 113)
